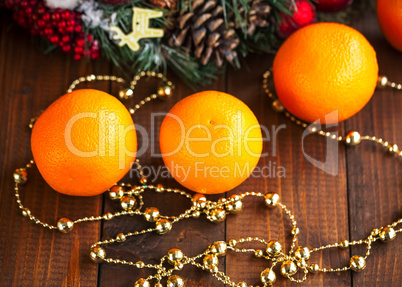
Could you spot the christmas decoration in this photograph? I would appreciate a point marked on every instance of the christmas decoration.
(200, 36)
(164, 4)
(131, 200)
(389, 14)
(303, 14)
(332, 5)
(140, 30)
(65, 4)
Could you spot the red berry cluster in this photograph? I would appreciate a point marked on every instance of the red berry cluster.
(61, 27)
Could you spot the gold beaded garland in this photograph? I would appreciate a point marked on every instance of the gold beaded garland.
(219, 248)
(288, 268)
(151, 214)
(271, 199)
(274, 248)
(174, 256)
(175, 281)
(142, 283)
(116, 192)
(128, 202)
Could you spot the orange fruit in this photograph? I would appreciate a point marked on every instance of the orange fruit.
(210, 142)
(323, 68)
(84, 142)
(389, 14)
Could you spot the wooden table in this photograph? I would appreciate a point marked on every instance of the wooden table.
(365, 194)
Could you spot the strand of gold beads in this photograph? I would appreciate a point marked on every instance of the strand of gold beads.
(352, 137)
(131, 201)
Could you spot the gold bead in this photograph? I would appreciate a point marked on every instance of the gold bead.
(65, 225)
(196, 214)
(353, 138)
(344, 244)
(139, 264)
(108, 216)
(277, 106)
(217, 215)
(178, 266)
(142, 283)
(375, 232)
(175, 281)
(302, 252)
(258, 253)
(382, 81)
(236, 206)
(210, 260)
(175, 255)
(159, 188)
(288, 268)
(219, 248)
(387, 234)
(126, 93)
(242, 284)
(143, 180)
(128, 202)
(116, 192)
(20, 175)
(199, 200)
(271, 199)
(151, 214)
(357, 263)
(158, 285)
(268, 276)
(120, 237)
(274, 248)
(295, 230)
(232, 243)
(165, 91)
(97, 254)
(301, 263)
(163, 226)
(26, 212)
(313, 268)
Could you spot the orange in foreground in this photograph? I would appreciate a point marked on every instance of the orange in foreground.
(84, 142)
(389, 14)
(210, 142)
(324, 68)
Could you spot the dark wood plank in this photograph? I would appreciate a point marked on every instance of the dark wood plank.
(318, 200)
(191, 236)
(31, 255)
(374, 177)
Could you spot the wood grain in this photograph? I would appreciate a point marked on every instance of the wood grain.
(364, 193)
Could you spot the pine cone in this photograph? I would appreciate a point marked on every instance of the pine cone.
(201, 31)
(164, 4)
(257, 15)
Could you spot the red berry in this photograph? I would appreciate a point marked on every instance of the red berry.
(40, 23)
(65, 38)
(46, 16)
(56, 16)
(24, 3)
(48, 31)
(40, 10)
(61, 24)
(95, 55)
(65, 15)
(78, 50)
(77, 57)
(303, 15)
(78, 28)
(69, 29)
(54, 39)
(70, 22)
(62, 30)
(80, 42)
(90, 38)
(66, 49)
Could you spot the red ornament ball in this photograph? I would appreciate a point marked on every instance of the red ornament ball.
(332, 5)
(303, 15)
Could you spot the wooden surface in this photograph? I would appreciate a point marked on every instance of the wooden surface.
(366, 192)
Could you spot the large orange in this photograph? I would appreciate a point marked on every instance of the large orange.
(389, 14)
(210, 142)
(84, 142)
(324, 68)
